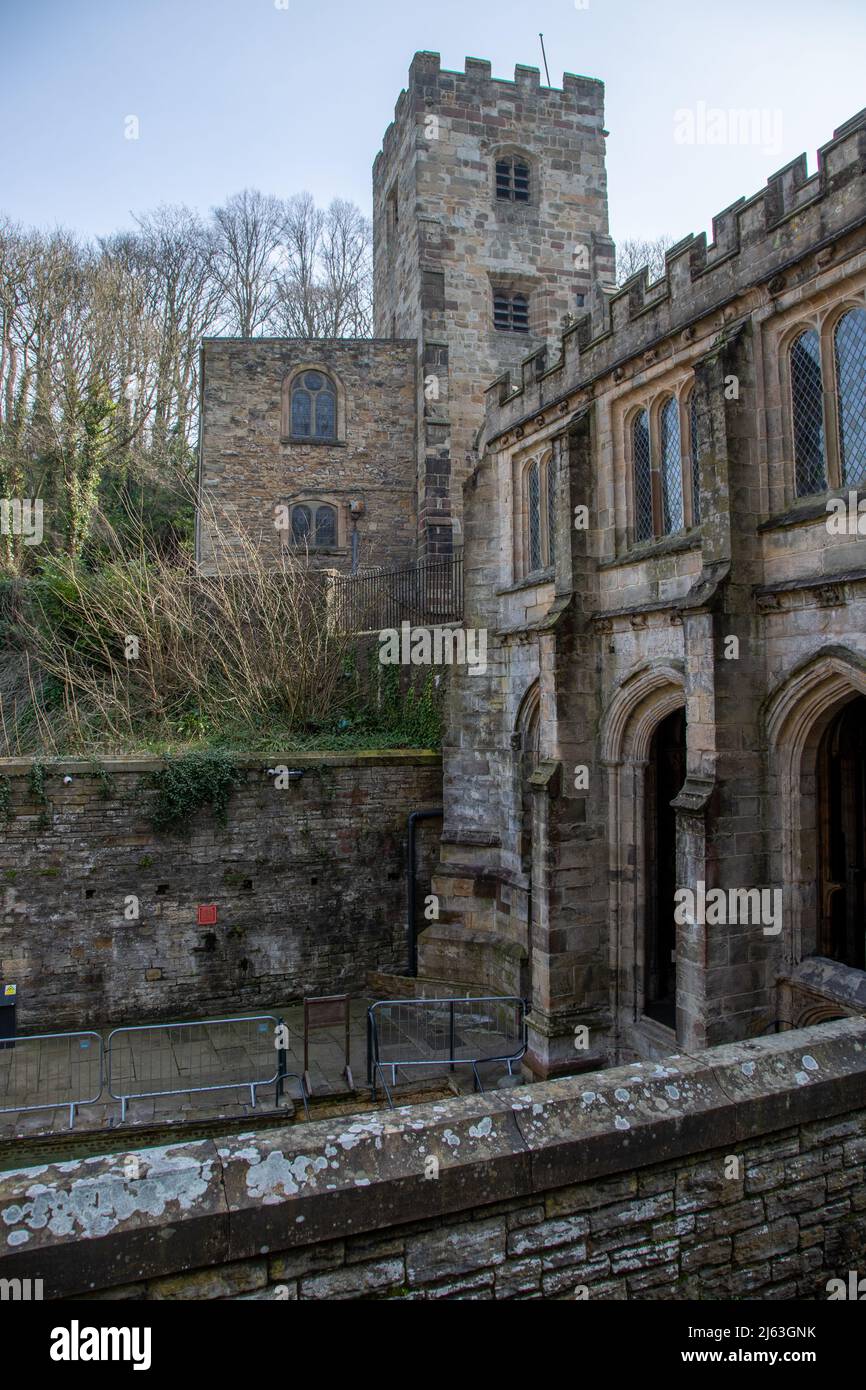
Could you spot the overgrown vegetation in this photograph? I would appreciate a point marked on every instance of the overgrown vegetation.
(187, 784)
(99, 351)
(144, 653)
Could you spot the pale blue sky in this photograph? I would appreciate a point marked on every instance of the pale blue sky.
(235, 93)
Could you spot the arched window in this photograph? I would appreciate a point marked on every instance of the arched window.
(849, 343)
(550, 487)
(313, 407)
(314, 524)
(696, 466)
(534, 514)
(643, 488)
(326, 526)
(512, 179)
(535, 539)
(807, 414)
(510, 312)
(671, 468)
(301, 522)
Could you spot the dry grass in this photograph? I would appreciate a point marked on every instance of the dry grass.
(144, 650)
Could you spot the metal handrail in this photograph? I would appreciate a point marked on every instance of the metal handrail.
(19, 1048)
(429, 592)
(415, 1039)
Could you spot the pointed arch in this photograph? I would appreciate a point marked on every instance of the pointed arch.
(796, 714)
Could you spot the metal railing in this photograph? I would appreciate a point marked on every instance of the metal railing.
(433, 1033)
(426, 594)
(50, 1070)
(220, 1054)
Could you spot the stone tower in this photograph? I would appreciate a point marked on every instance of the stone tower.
(490, 230)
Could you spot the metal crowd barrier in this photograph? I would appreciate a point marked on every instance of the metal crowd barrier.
(432, 1033)
(50, 1070)
(217, 1054)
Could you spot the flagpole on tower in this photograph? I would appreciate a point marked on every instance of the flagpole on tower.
(544, 56)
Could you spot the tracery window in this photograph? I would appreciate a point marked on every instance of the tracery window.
(313, 407)
(827, 402)
(539, 508)
(314, 525)
(666, 480)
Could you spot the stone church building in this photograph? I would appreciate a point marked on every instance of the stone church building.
(655, 796)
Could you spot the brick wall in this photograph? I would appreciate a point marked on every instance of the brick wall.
(309, 882)
(741, 1173)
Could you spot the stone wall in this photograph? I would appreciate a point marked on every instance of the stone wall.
(250, 465)
(620, 632)
(309, 882)
(444, 242)
(741, 1173)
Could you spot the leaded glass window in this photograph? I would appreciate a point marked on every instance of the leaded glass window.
(807, 409)
(643, 492)
(314, 407)
(671, 468)
(850, 351)
(551, 508)
(326, 526)
(696, 466)
(301, 520)
(533, 502)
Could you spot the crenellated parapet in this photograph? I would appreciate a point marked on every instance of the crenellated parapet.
(755, 242)
(430, 83)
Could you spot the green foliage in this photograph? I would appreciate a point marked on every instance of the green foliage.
(88, 446)
(36, 783)
(104, 778)
(421, 715)
(6, 812)
(144, 511)
(187, 784)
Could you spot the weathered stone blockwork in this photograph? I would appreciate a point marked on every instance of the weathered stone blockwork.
(444, 242)
(309, 882)
(740, 1174)
(250, 466)
(587, 658)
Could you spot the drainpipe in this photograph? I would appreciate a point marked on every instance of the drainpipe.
(411, 934)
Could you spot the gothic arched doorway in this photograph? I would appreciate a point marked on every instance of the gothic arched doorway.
(842, 836)
(666, 773)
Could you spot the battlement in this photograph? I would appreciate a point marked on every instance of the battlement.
(754, 241)
(431, 84)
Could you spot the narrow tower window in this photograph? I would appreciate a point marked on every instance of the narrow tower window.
(512, 179)
(510, 312)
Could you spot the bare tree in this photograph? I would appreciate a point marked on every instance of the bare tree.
(249, 232)
(325, 286)
(636, 252)
(347, 264)
(99, 344)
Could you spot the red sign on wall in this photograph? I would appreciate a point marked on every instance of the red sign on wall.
(207, 914)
